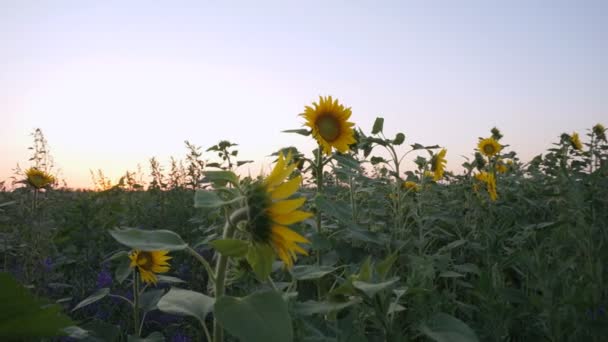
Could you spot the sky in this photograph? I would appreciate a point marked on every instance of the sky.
(114, 83)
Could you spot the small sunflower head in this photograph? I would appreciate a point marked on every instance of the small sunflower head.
(501, 167)
(599, 131)
(438, 163)
(328, 122)
(575, 141)
(489, 147)
(411, 186)
(38, 178)
(148, 263)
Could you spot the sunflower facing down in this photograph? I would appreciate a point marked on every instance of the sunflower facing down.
(489, 147)
(328, 122)
(38, 178)
(438, 164)
(411, 186)
(575, 141)
(148, 263)
(490, 180)
(271, 211)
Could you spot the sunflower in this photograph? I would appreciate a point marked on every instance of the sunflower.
(600, 131)
(328, 121)
(38, 178)
(148, 263)
(575, 141)
(438, 164)
(501, 167)
(409, 185)
(271, 212)
(489, 147)
(490, 181)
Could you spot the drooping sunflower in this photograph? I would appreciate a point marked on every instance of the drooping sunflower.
(438, 164)
(575, 141)
(490, 181)
(599, 131)
(38, 178)
(328, 122)
(501, 167)
(148, 263)
(410, 185)
(489, 147)
(271, 212)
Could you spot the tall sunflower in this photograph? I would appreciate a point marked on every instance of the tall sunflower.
(271, 211)
(489, 147)
(438, 164)
(328, 121)
(148, 263)
(38, 178)
(575, 141)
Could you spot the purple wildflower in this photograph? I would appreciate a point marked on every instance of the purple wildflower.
(179, 337)
(104, 279)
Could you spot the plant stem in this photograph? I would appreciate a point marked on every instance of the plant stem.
(136, 303)
(222, 265)
(319, 175)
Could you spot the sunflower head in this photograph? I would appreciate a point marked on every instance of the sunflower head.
(599, 131)
(328, 122)
(148, 263)
(271, 211)
(411, 186)
(38, 178)
(489, 147)
(490, 181)
(438, 164)
(501, 167)
(575, 141)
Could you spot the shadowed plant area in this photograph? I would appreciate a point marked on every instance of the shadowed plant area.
(369, 237)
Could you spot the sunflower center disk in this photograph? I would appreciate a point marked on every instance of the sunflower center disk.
(329, 127)
(144, 260)
(488, 149)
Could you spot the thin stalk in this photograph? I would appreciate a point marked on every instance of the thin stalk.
(136, 303)
(319, 175)
(202, 260)
(222, 265)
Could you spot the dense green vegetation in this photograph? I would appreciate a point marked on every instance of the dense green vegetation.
(394, 254)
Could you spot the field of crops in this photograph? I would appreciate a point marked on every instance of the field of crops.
(348, 242)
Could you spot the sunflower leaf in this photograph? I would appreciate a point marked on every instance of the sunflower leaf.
(378, 125)
(231, 247)
(99, 294)
(442, 327)
(210, 199)
(310, 272)
(186, 303)
(259, 317)
(149, 240)
(399, 139)
(123, 270)
(260, 258)
(304, 132)
(220, 178)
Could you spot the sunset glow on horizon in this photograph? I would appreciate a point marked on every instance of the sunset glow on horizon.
(114, 84)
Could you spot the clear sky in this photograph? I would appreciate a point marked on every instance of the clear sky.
(113, 83)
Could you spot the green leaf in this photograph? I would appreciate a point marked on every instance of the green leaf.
(365, 271)
(168, 279)
(210, 199)
(310, 272)
(378, 125)
(186, 303)
(310, 307)
(377, 160)
(260, 258)
(153, 337)
(24, 316)
(305, 132)
(100, 331)
(149, 240)
(123, 270)
(259, 317)
(399, 139)
(450, 274)
(231, 247)
(372, 289)
(442, 327)
(149, 299)
(336, 210)
(384, 266)
(221, 178)
(118, 255)
(99, 294)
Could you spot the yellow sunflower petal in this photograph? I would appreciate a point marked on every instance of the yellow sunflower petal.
(288, 234)
(286, 206)
(291, 218)
(286, 189)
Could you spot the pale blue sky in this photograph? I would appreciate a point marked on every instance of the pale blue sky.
(113, 83)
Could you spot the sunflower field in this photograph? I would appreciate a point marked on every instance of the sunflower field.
(365, 238)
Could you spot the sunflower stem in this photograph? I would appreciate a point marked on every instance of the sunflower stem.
(136, 303)
(222, 265)
(202, 260)
(319, 173)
